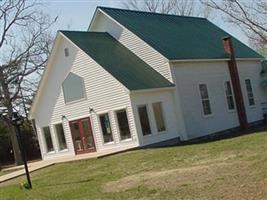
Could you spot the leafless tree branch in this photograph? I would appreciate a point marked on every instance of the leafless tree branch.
(177, 7)
(25, 42)
(249, 16)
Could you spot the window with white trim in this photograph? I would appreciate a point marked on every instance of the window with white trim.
(66, 52)
(106, 128)
(250, 94)
(60, 136)
(229, 95)
(123, 124)
(158, 114)
(48, 139)
(144, 120)
(73, 88)
(205, 99)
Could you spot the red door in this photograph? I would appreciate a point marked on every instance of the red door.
(82, 136)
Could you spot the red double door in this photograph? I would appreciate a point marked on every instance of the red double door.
(82, 136)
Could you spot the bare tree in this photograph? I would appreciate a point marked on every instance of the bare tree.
(249, 16)
(25, 42)
(177, 7)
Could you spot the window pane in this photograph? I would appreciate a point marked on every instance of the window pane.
(157, 108)
(144, 120)
(123, 124)
(229, 95)
(61, 136)
(248, 85)
(76, 136)
(48, 139)
(206, 107)
(203, 91)
(228, 89)
(250, 95)
(205, 99)
(251, 100)
(73, 88)
(230, 103)
(106, 128)
(88, 134)
(66, 52)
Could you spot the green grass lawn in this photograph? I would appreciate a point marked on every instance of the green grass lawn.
(227, 169)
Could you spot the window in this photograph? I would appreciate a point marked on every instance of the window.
(229, 95)
(251, 100)
(157, 108)
(66, 52)
(144, 120)
(106, 128)
(48, 139)
(60, 136)
(205, 99)
(73, 88)
(123, 124)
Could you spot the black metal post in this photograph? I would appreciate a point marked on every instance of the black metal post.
(23, 153)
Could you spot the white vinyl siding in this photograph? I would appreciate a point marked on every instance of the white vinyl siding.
(214, 74)
(103, 93)
(251, 70)
(139, 47)
(188, 76)
(173, 129)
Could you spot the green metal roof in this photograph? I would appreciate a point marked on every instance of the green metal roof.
(120, 62)
(179, 37)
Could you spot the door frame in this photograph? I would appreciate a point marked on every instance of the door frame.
(79, 121)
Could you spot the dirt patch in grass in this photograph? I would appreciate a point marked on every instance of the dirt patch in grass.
(165, 180)
(217, 180)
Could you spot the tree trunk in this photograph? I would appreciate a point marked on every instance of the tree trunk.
(12, 130)
(15, 145)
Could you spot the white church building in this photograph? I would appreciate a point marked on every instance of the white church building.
(137, 78)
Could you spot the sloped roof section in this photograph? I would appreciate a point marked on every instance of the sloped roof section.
(120, 62)
(179, 37)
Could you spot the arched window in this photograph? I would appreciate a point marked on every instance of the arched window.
(73, 88)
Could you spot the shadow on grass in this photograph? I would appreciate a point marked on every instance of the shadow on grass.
(66, 183)
(228, 134)
(232, 133)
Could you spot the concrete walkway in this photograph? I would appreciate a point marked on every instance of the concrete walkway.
(46, 163)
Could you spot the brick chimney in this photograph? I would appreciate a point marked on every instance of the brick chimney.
(233, 70)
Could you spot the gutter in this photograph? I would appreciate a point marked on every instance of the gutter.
(214, 60)
(152, 90)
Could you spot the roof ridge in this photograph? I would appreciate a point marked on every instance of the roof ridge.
(82, 31)
(152, 13)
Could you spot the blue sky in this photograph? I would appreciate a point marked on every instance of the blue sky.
(77, 14)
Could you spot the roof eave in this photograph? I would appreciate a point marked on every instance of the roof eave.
(93, 18)
(212, 60)
(171, 87)
(121, 25)
(44, 76)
